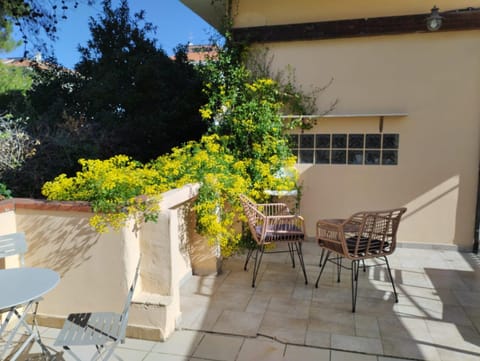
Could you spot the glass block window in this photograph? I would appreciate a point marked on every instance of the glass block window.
(349, 149)
(372, 157)
(356, 141)
(339, 140)
(323, 140)
(373, 141)
(322, 156)
(307, 141)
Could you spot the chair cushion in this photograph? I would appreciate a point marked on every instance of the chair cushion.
(375, 245)
(281, 232)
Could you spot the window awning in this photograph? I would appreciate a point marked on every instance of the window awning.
(380, 116)
(347, 115)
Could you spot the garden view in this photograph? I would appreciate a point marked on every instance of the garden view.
(129, 122)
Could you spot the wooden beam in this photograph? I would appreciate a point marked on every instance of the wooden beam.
(466, 19)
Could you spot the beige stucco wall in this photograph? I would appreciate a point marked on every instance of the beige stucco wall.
(435, 78)
(274, 12)
(96, 270)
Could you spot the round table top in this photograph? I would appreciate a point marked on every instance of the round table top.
(22, 285)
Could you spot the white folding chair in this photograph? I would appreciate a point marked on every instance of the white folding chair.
(104, 330)
(13, 244)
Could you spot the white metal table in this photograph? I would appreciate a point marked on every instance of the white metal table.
(20, 289)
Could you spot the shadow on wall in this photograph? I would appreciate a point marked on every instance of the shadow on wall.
(70, 239)
(440, 210)
(185, 226)
(205, 258)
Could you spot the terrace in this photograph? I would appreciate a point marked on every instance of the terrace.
(179, 314)
(224, 318)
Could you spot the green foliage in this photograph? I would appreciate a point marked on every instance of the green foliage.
(56, 120)
(14, 85)
(145, 100)
(4, 192)
(246, 111)
(295, 100)
(7, 42)
(12, 78)
(246, 152)
(125, 97)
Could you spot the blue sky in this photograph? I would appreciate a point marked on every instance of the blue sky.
(176, 24)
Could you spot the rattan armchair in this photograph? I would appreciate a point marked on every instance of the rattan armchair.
(272, 223)
(364, 235)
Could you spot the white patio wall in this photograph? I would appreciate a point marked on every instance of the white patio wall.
(96, 269)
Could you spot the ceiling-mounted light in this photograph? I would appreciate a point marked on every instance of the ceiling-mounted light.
(434, 20)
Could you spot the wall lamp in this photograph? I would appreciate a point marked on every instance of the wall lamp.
(434, 20)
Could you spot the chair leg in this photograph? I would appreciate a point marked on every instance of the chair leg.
(298, 246)
(258, 261)
(291, 250)
(322, 268)
(391, 279)
(321, 257)
(354, 268)
(72, 354)
(110, 352)
(339, 267)
(47, 355)
(249, 254)
(101, 352)
(21, 322)
(98, 355)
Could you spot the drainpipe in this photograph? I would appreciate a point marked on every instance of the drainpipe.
(476, 239)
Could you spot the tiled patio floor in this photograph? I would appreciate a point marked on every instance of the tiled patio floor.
(437, 316)
(224, 318)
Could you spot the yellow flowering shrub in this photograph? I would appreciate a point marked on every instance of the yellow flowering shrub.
(245, 151)
(116, 188)
(222, 178)
(244, 113)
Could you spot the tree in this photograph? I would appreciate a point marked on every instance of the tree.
(57, 121)
(146, 100)
(35, 19)
(7, 43)
(14, 78)
(15, 81)
(125, 96)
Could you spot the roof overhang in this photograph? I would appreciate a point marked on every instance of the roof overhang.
(213, 12)
(453, 20)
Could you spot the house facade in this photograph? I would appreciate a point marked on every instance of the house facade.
(405, 130)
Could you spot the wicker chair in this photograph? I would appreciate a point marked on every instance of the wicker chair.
(272, 223)
(363, 236)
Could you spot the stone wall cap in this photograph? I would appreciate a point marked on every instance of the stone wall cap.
(13, 204)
